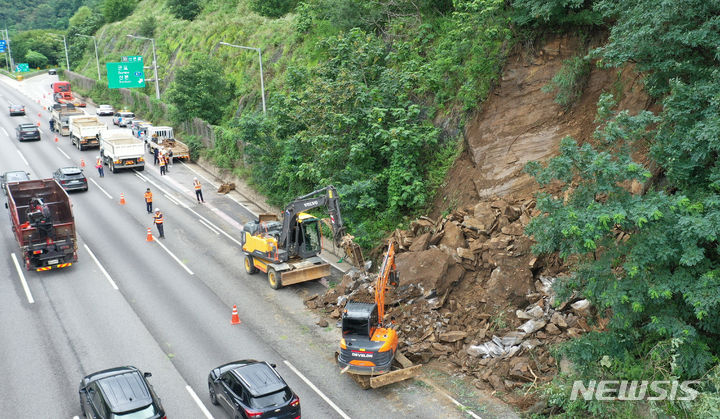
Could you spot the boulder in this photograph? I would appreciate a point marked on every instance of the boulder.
(322, 323)
(428, 269)
(514, 229)
(484, 213)
(479, 225)
(420, 243)
(581, 308)
(509, 284)
(558, 320)
(465, 253)
(453, 336)
(551, 329)
(513, 212)
(453, 237)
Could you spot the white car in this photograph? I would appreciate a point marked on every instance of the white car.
(105, 110)
(123, 118)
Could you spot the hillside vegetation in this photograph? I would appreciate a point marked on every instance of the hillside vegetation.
(371, 96)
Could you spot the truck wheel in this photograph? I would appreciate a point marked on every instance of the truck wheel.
(274, 279)
(250, 265)
(112, 167)
(141, 168)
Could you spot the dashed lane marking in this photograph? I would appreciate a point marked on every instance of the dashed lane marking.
(22, 279)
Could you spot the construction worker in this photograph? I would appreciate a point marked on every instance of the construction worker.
(163, 168)
(156, 153)
(158, 219)
(99, 166)
(198, 190)
(148, 201)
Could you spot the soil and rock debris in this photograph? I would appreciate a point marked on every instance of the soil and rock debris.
(472, 298)
(471, 294)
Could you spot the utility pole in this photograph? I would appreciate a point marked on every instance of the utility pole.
(97, 60)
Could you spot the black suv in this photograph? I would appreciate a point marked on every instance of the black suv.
(71, 178)
(27, 132)
(119, 392)
(252, 389)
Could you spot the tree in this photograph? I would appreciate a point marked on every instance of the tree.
(200, 90)
(272, 8)
(115, 10)
(35, 59)
(185, 9)
(147, 26)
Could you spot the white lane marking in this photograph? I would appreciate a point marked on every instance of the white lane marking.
(230, 220)
(156, 240)
(76, 417)
(141, 177)
(22, 279)
(462, 407)
(6, 133)
(208, 226)
(317, 390)
(171, 199)
(23, 157)
(102, 269)
(194, 171)
(63, 153)
(199, 402)
(101, 188)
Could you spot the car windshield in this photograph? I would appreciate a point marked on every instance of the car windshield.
(28, 129)
(70, 171)
(127, 115)
(144, 413)
(269, 400)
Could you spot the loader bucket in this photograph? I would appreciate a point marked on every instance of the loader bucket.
(305, 274)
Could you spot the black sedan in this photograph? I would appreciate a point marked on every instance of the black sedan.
(25, 132)
(71, 178)
(16, 110)
(118, 393)
(252, 389)
(14, 176)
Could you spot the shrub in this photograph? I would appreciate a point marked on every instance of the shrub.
(115, 10)
(570, 81)
(272, 8)
(147, 26)
(185, 9)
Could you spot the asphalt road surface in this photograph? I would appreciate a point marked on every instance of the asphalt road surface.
(163, 307)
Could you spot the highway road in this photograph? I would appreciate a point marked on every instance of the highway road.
(164, 306)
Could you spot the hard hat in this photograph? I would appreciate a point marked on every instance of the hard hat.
(148, 189)
(194, 178)
(157, 209)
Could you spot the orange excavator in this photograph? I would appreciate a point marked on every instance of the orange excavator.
(368, 348)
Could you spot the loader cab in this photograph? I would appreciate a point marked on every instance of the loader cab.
(304, 236)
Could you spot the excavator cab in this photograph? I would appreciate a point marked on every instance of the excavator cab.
(366, 348)
(305, 236)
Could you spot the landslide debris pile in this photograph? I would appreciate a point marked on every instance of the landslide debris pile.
(470, 292)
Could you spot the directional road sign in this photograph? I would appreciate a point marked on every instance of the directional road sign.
(22, 67)
(3, 45)
(131, 59)
(125, 75)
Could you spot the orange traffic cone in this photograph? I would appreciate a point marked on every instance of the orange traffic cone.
(82, 162)
(38, 124)
(122, 199)
(149, 235)
(235, 318)
(39, 115)
(56, 140)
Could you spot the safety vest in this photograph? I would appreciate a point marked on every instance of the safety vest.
(98, 163)
(197, 185)
(162, 161)
(158, 218)
(148, 196)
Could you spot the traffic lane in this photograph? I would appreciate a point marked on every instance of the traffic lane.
(331, 366)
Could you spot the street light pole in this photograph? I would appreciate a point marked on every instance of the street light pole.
(12, 63)
(262, 83)
(67, 59)
(97, 60)
(155, 74)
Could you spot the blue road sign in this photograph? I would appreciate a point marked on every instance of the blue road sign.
(3, 45)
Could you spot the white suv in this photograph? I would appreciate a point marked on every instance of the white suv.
(105, 110)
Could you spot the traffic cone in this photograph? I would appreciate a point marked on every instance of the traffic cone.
(39, 115)
(149, 235)
(38, 124)
(56, 140)
(122, 199)
(235, 318)
(82, 162)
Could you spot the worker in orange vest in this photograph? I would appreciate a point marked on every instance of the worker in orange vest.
(99, 166)
(198, 190)
(148, 201)
(159, 220)
(163, 168)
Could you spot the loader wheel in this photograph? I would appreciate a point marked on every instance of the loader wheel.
(274, 279)
(250, 265)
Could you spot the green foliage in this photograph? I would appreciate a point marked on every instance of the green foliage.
(570, 81)
(555, 14)
(35, 59)
(22, 15)
(272, 8)
(201, 90)
(115, 10)
(185, 9)
(147, 26)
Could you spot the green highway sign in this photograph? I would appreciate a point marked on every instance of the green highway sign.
(22, 67)
(125, 75)
(132, 59)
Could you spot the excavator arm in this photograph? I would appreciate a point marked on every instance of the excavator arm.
(326, 197)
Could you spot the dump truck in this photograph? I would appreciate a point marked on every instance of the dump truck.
(163, 139)
(120, 150)
(85, 131)
(62, 93)
(43, 223)
(369, 344)
(60, 115)
(287, 251)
